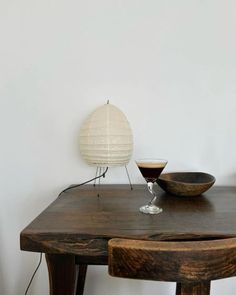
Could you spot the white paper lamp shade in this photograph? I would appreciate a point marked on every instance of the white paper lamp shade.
(106, 138)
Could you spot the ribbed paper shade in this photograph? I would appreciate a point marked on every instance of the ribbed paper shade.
(106, 138)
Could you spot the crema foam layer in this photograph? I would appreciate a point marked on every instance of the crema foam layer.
(151, 164)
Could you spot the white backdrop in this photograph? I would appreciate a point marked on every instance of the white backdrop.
(170, 66)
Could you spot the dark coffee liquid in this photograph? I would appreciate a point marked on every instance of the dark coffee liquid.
(151, 173)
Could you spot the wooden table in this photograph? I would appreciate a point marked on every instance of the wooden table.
(74, 230)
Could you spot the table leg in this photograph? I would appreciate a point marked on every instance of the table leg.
(62, 274)
(82, 270)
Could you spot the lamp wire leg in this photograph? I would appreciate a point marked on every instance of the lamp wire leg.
(127, 172)
(99, 180)
(95, 180)
(100, 172)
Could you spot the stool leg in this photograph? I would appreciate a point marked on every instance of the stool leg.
(201, 288)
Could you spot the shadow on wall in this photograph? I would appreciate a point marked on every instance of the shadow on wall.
(2, 277)
(98, 281)
(28, 261)
(231, 179)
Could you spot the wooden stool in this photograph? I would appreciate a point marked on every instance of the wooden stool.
(191, 264)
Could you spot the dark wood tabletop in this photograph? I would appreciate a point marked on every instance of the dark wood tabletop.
(79, 223)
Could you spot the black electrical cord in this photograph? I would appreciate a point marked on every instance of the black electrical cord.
(90, 180)
(66, 189)
(40, 260)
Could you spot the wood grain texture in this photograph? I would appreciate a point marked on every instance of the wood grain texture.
(80, 223)
(185, 262)
(186, 183)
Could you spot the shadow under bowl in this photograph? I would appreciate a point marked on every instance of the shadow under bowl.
(186, 183)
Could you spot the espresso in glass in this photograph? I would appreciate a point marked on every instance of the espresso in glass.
(151, 170)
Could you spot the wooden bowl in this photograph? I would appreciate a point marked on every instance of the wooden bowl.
(186, 183)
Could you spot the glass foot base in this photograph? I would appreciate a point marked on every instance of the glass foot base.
(150, 209)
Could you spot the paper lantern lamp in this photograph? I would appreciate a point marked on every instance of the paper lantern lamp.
(106, 138)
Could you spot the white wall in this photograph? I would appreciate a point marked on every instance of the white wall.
(169, 65)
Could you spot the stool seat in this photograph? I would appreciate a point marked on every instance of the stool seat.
(192, 264)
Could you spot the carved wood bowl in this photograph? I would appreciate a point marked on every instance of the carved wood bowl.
(186, 183)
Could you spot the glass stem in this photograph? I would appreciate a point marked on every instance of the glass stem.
(150, 188)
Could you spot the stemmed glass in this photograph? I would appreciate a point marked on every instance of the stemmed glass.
(151, 170)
